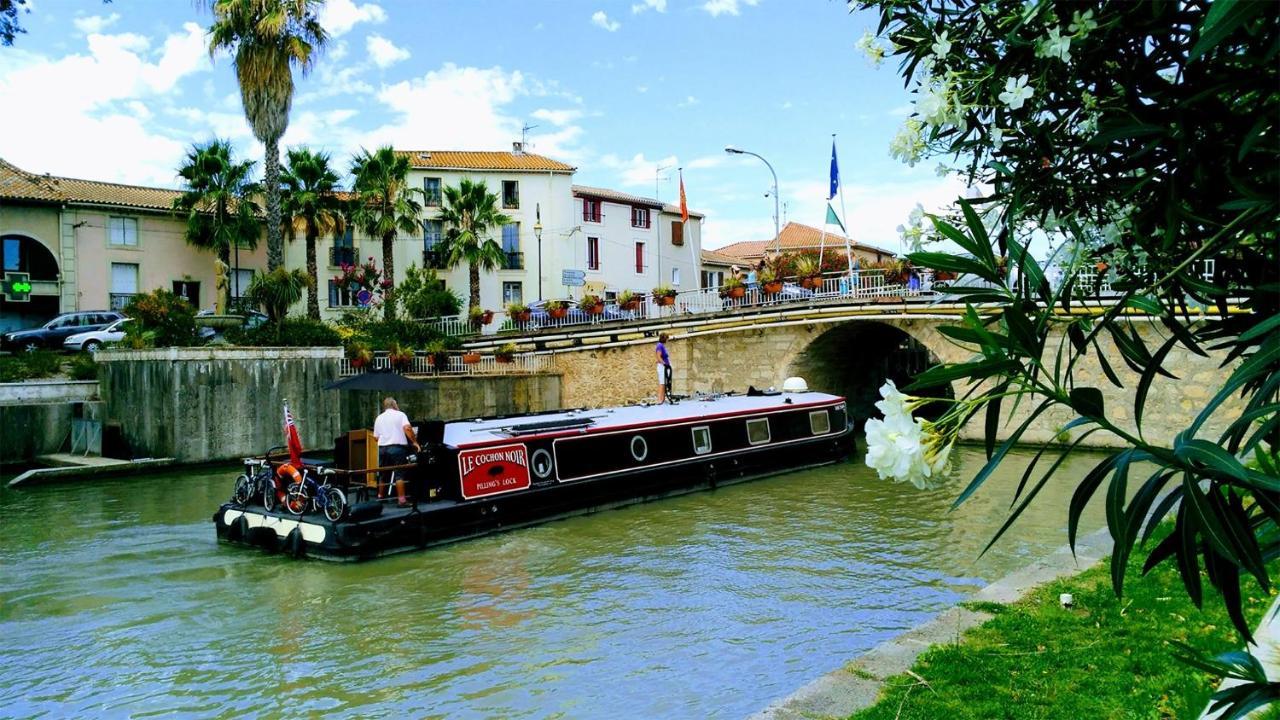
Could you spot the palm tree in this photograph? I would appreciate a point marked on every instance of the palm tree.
(311, 207)
(216, 202)
(385, 204)
(267, 38)
(470, 214)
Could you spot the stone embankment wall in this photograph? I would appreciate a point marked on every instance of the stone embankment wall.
(200, 404)
(35, 416)
(736, 358)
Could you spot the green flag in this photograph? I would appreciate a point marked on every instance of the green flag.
(832, 219)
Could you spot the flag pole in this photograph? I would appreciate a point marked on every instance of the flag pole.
(844, 218)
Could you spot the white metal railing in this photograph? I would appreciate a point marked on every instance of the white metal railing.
(860, 286)
(423, 364)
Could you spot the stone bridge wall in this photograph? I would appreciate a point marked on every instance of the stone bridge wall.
(733, 358)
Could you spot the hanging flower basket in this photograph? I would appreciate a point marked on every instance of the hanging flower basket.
(809, 283)
(470, 358)
(481, 317)
(772, 288)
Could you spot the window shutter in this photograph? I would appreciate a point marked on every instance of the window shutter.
(677, 232)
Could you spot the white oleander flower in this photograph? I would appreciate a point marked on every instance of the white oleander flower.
(1016, 92)
(912, 233)
(894, 402)
(869, 46)
(941, 45)
(997, 139)
(1082, 25)
(1056, 45)
(934, 105)
(908, 145)
(904, 448)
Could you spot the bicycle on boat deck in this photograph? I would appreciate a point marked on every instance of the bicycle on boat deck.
(308, 494)
(256, 480)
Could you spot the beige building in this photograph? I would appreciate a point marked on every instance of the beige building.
(91, 245)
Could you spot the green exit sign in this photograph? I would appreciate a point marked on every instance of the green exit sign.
(16, 287)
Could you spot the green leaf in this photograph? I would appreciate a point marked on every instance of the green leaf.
(953, 263)
(1261, 329)
(996, 458)
(1144, 384)
(993, 419)
(1262, 360)
(1030, 270)
(979, 232)
(1188, 554)
(1088, 402)
(1146, 304)
(965, 242)
(940, 374)
(1211, 457)
(1205, 519)
(1223, 18)
(1083, 492)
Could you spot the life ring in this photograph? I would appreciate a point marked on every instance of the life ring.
(288, 473)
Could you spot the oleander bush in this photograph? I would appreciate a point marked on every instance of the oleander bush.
(161, 319)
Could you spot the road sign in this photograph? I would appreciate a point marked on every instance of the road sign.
(573, 278)
(16, 287)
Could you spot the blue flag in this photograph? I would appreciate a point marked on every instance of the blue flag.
(835, 172)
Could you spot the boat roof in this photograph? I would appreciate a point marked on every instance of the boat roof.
(490, 431)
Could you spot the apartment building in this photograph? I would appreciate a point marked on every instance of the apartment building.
(89, 245)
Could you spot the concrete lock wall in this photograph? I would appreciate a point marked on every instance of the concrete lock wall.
(200, 404)
(765, 356)
(35, 415)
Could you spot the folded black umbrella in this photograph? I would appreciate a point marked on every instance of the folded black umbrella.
(381, 380)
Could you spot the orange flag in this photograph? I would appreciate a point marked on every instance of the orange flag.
(684, 206)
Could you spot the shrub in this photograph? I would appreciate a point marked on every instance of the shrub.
(505, 352)
(161, 319)
(423, 295)
(84, 367)
(290, 332)
(277, 290)
(28, 366)
(516, 308)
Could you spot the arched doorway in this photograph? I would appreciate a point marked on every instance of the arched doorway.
(20, 253)
(855, 358)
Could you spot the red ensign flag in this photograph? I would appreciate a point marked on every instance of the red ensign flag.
(291, 438)
(684, 206)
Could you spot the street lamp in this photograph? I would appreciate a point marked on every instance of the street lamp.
(537, 232)
(777, 232)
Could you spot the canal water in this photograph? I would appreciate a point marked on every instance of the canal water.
(115, 600)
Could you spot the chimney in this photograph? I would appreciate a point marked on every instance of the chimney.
(517, 148)
(424, 156)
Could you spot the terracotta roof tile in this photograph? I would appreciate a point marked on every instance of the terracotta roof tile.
(615, 196)
(483, 160)
(795, 236)
(716, 258)
(18, 184)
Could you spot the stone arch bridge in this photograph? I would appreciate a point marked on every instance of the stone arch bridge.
(848, 350)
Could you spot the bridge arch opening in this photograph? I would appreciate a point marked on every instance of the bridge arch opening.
(854, 359)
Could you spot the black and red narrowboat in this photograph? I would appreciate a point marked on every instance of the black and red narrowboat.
(474, 477)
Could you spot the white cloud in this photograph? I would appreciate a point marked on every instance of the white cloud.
(642, 88)
(659, 5)
(95, 23)
(97, 125)
(339, 16)
(689, 101)
(557, 117)
(726, 7)
(383, 52)
(600, 19)
(637, 171)
(707, 161)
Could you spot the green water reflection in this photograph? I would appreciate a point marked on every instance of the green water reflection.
(115, 600)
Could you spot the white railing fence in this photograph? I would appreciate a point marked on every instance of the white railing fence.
(424, 364)
(866, 285)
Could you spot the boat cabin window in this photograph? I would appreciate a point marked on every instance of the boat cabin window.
(639, 448)
(701, 440)
(819, 422)
(758, 431)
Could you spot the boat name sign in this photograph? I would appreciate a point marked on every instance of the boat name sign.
(493, 470)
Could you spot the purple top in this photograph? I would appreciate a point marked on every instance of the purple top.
(662, 352)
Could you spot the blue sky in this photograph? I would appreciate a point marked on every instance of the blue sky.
(118, 91)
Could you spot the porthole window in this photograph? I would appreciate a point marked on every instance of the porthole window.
(701, 440)
(819, 422)
(639, 448)
(758, 431)
(541, 463)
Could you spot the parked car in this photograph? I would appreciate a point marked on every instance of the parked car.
(53, 333)
(94, 339)
(252, 319)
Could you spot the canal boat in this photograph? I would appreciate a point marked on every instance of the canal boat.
(479, 476)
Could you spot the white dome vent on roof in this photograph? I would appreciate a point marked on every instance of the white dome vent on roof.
(795, 384)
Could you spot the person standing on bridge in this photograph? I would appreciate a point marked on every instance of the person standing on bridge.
(664, 368)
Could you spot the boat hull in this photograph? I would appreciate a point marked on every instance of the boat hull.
(395, 530)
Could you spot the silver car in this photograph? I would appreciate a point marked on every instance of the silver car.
(94, 339)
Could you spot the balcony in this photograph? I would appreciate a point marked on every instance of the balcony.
(339, 256)
(433, 260)
(120, 300)
(514, 261)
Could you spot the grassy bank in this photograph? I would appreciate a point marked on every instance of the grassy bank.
(1103, 658)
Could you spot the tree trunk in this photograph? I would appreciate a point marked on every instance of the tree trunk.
(271, 178)
(389, 274)
(473, 273)
(313, 292)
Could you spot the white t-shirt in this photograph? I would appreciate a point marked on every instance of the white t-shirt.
(389, 428)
